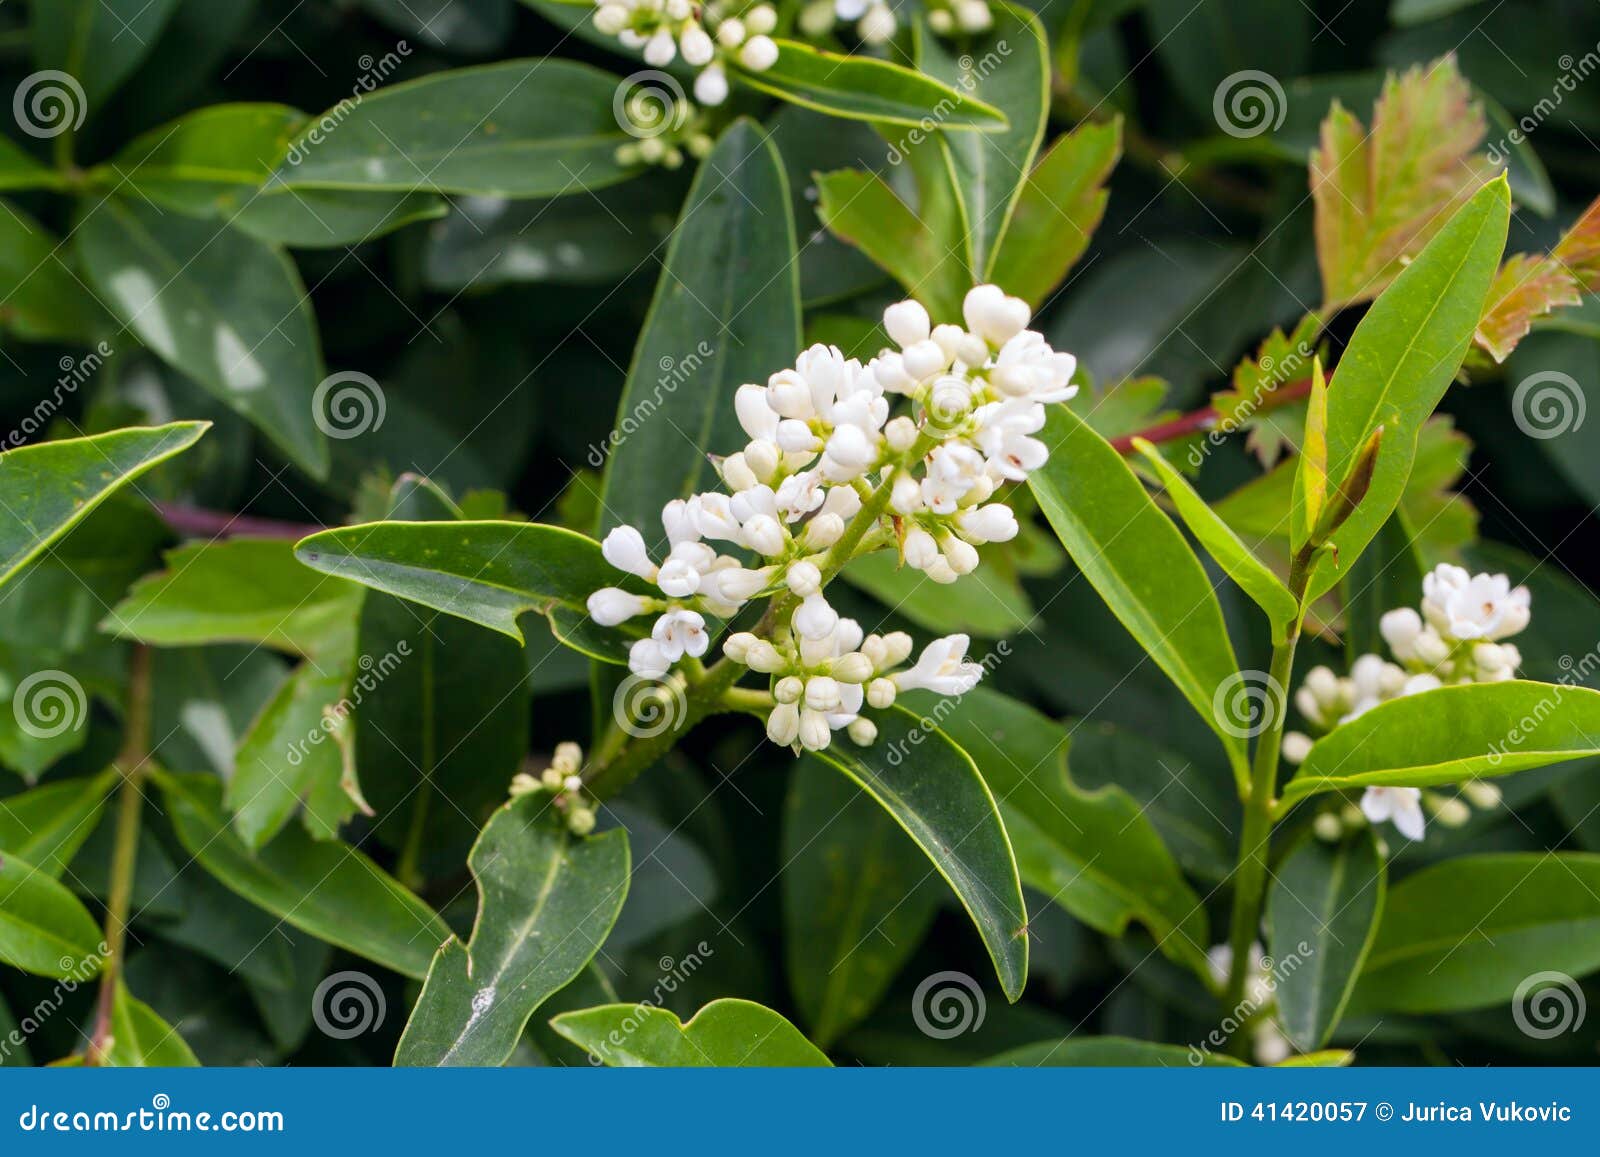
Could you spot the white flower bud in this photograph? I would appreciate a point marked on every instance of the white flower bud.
(573, 783)
(611, 18)
(759, 53)
(1296, 746)
(900, 433)
(795, 437)
(897, 646)
(1323, 684)
(907, 323)
(877, 25)
(696, 46)
(972, 350)
(568, 758)
(762, 656)
(764, 535)
(814, 618)
(659, 50)
(789, 689)
(1328, 827)
(941, 21)
(992, 523)
(989, 313)
(761, 20)
(609, 606)
(920, 549)
(736, 473)
(1449, 811)
(783, 725)
(974, 16)
(962, 556)
(711, 86)
(551, 778)
(881, 693)
(924, 359)
(624, 549)
(580, 821)
(905, 496)
(730, 33)
(678, 579)
(814, 731)
(1400, 629)
(763, 456)
(646, 658)
(735, 584)
(862, 731)
(803, 578)
(737, 646)
(1489, 657)
(941, 571)
(822, 693)
(1484, 795)
(1431, 647)
(852, 668)
(790, 396)
(823, 531)
(889, 371)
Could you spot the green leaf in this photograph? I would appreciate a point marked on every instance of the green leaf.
(861, 209)
(248, 590)
(18, 170)
(1452, 734)
(141, 1039)
(44, 928)
(857, 900)
(519, 128)
(41, 298)
(1236, 559)
(933, 791)
(1323, 909)
(52, 486)
(325, 888)
(47, 825)
(726, 311)
(546, 900)
(1470, 932)
(723, 1034)
(986, 603)
(1142, 567)
(96, 42)
(1401, 360)
(1057, 211)
(865, 88)
(485, 572)
(206, 162)
(218, 306)
(1008, 67)
(1310, 498)
(1094, 853)
(1107, 1052)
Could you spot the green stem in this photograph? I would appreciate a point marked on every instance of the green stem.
(132, 761)
(1250, 875)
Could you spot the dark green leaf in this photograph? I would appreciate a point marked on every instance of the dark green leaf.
(44, 928)
(46, 826)
(1107, 1052)
(96, 42)
(41, 298)
(723, 1034)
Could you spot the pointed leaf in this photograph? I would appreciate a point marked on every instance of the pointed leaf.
(1236, 559)
(723, 1034)
(546, 900)
(218, 306)
(52, 486)
(47, 825)
(933, 791)
(1141, 565)
(1323, 909)
(866, 88)
(141, 1039)
(1311, 476)
(41, 298)
(1525, 289)
(325, 888)
(726, 311)
(44, 928)
(1453, 734)
(485, 572)
(861, 209)
(97, 42)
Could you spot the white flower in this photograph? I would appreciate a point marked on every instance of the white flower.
(803, 578)
(814, 618)
(907, 322)
(943, 667)
(961, 556)
(611, 19)
(711, 86)
(924, 360)
(646, 658)
(624, 549)
(609, 606)
(783, 725)
(992, 523)
(696, 46)
(1400, 805)
(823, 531)
(679, 633)
(814, 730)
(952, 470)
(734, 584)
(763, 534)
(660, 49)
(759, 53)
(862, 732)
(730, 33)
(798, 495)
(1028, 367)
(920, 549)
(991, 314)
(1400, 629)
(1003, 436)
(678, 578)
(761, 19)
(756, 416)
(973, 15)
(1483, 607)
(1296, 746)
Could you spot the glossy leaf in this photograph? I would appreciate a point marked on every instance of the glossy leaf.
(933, 791)
(866, 88)
(861, 209)
(486, 572)
(1236, 559)
(325, 888)
(1401, 359)
(249, 590)
(1323, 909)
(1107, 1052)
(218, 306)
(546, 900)
(47, 825)
(723, 1034)
(858, 899)
(97, 42)
(44, 928)
(53, 486)
(986, 603)
(1453, 734)
(1469, 932)
(1008, 67)
(1141, 565)
(1095, 853)
(518, 128)
(726, 310)
(141, 1039)
(1057, 211)
(42, 297)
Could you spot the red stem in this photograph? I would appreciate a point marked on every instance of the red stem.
(1198, 421)
(197, 522)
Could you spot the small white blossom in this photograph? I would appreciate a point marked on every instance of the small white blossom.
(1400, 805)
(609, 606)
(942, 668)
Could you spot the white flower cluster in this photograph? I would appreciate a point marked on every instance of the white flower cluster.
(707, 35)
(822, 442)
(1268, 1044)
(875, 20)
(563, 781)
(1457, 638)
